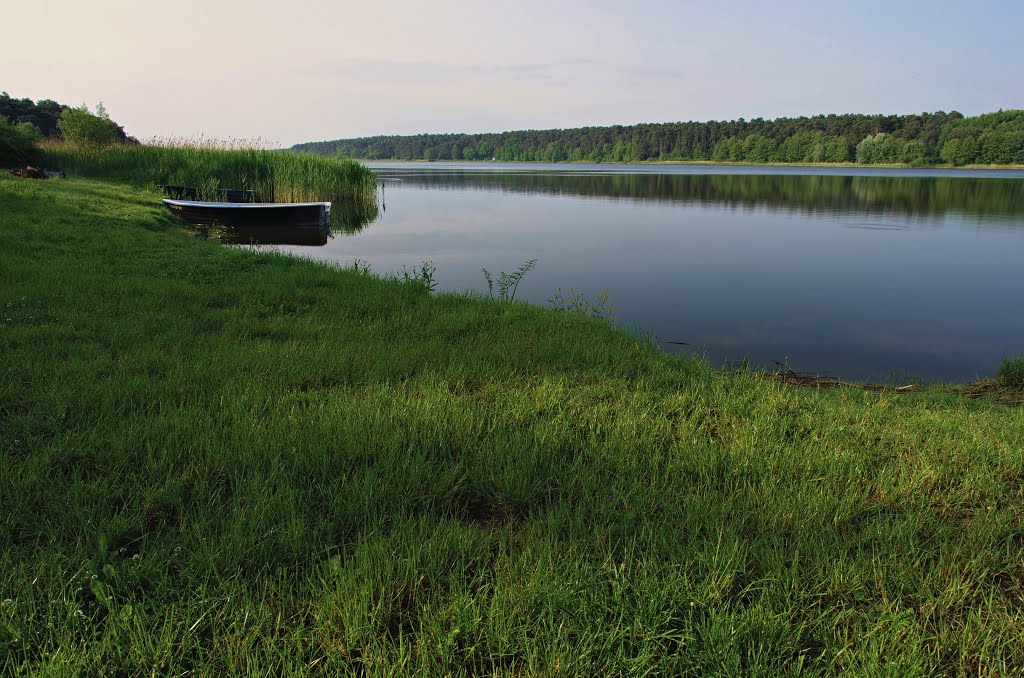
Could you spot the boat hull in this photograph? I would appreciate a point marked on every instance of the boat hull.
(262, 223)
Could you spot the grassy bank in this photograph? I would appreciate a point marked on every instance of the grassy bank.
(219, 461)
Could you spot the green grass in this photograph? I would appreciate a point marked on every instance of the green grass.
(217, 461)
(1011, 372)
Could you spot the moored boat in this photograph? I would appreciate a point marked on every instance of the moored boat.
(259, 222)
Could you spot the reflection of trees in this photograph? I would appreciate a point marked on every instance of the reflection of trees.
(351, 215)
(918, 196)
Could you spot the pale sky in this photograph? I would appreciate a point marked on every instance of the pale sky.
(288, 72)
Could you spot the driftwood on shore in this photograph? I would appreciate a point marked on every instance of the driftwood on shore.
(989, 389)
(36, 173)
(788, 376)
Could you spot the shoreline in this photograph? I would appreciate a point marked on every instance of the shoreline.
(700, 163)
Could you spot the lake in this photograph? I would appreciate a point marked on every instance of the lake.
(861, 274)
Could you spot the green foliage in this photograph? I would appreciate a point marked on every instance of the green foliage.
(878, 149)
(960, 151)
(913, 153)
(361, 266)
(886, 149)
(996, 138)
(575, 301)
(508, 283)
(727, 150)
(992, 138)
(753, 148)
(837, 149)
(758, 148)
(42, 115)
(29, 131)
(79, 126)
(800, 147)
(423, 276)
(17, 143)
(1011, 372)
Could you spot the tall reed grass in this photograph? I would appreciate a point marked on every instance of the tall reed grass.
(209, 165)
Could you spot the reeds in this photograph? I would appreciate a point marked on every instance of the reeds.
(210, 165)
(1011, 371)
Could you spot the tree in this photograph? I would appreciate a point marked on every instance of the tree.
(17, 143)
(78, 125)
(881, 149)
(726, 150)
(913, 153)
(29, 131)
(960, 151)
(758, 148)
(42, 114)
(837, 150)
(802, 147)
(484, 150)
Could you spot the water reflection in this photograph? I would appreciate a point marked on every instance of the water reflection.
(346, 217)
(302, 236)
(350, 216)
(867, 275)
(810, 195)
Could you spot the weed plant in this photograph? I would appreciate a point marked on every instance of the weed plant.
(422, 275)
(222, 462)
(576, 301)
(1011, 372)
(508, 283)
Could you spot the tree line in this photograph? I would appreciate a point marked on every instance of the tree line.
(45, 116)
(24, 123)
(916, 140)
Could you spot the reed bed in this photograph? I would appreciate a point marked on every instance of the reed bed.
(211, 165)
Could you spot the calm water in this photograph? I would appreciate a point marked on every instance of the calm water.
(861, 274)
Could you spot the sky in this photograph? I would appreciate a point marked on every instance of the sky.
(310, 70)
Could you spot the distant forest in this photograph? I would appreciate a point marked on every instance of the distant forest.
(916, 140)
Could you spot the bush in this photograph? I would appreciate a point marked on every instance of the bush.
(17, 143)
(79, 126)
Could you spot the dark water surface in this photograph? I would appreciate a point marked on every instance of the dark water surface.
(857, 273)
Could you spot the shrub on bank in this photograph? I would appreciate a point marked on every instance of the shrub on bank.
(17, 143)
(79, 126)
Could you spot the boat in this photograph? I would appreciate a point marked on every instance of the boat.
(293, 223)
